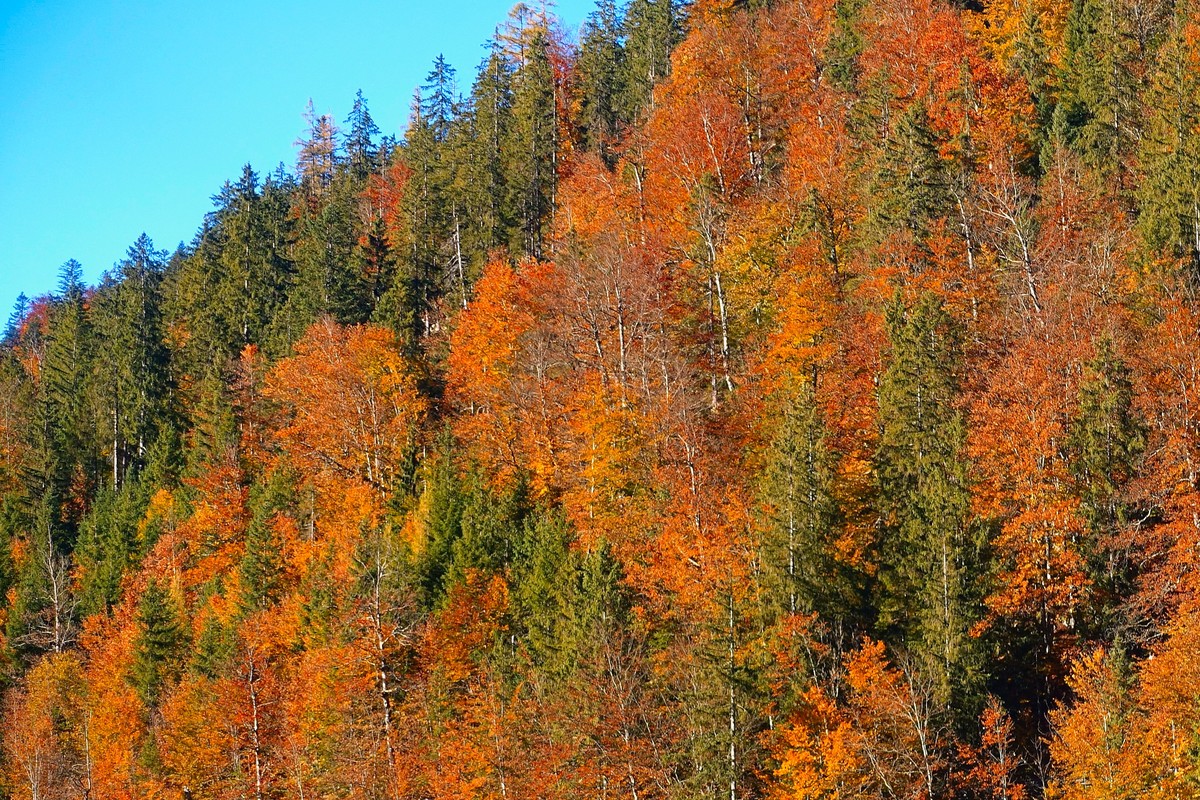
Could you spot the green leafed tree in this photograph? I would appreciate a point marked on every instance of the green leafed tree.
(931, 570)
(161, 642)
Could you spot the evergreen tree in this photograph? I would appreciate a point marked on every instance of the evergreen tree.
(65, 411)
(362, 155)
(530, 172)
(1106, 443)
(492, 529)
(802, 517)
(160, 642)
(438, 106)
(599, 68)
(845, 44)
(260, 573)
(444, 501)
(12, 328)
(650, 30)
(1095, 113)
(134, 381)
(911, 181)
(1169, 195)
(108, 546)
(930, 567)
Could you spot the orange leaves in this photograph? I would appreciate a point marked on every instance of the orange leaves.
(888, 737)
(1090, 739)
(45, 730)
(470, 621)
(818, 758)
(484, 379)
(351, 404)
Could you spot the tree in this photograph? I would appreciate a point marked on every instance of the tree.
(1169, 196)
(318, 152)
(1106, 442)
(599, 67)
(532, 147)
(802, 516)
(929, 543)
(134, 382)
(650, 29)
(160, 643)
(362, 154)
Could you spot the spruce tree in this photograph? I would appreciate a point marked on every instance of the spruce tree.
(650, 30)
(930, 546)
(362, 155)
(600, 67)
(160, 642)
(532, 148)
(260, 573)
(801, 517)
(911, 179)
(134, 381)
(1169, 194)
(1106, 442)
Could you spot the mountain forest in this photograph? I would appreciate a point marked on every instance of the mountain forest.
(737, 399)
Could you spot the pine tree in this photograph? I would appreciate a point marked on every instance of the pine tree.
(845, 44)
(107, 546)
(160, 642)
(1095, 114)
(530, 172)
(599, 68)
(12, 328)
(650, 29)
(1106, 443)
(444, 499)
(65, 409)
(930, 567)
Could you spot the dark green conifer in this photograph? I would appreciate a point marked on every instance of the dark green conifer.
(931, 572)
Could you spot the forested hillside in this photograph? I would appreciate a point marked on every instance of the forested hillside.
(793, 399)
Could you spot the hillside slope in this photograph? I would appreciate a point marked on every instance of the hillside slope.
(748, 400)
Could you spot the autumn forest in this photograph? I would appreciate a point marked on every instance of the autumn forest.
(769, 399)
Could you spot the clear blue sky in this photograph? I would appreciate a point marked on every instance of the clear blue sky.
(123, 117)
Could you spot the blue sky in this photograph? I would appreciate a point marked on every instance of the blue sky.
(123, 117)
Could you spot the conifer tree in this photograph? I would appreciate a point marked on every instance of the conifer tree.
(650, 30)
(929, 543)
(600, 67)
(160, 642)
(362, 154)
(134, 383)
(802, 517)
(1106, 443)
(318, 152)
(911, 179)
(260, 573)
(532, 147)
(1169, 195)
(1095, 114)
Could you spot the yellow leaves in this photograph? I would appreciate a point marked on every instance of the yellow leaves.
(1089, 745)
(818, 759)
(1132, 731)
